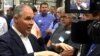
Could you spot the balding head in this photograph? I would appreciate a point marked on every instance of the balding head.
(19, 9)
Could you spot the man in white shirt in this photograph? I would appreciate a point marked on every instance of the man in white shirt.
(3, 24)
(18, 41)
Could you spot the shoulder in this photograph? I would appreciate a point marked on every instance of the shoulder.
(6, 37)
(37, 15)
(50, 15)
(2, 19)
(9, 35)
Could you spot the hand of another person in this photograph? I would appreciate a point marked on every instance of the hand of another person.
(48, 31)
(46, 53)
(64, 46)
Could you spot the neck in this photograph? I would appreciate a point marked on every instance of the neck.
(23, 33)
(68, 26)
(43, 14)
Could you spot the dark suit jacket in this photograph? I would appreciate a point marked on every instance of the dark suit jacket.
(96, 51)
(79, 33)
(11, 45)
(84, 49)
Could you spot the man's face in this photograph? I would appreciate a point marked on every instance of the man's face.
(59, 13)
(52, 10)
(25, 22)
(9, 12)
(65, 20)
(78, 1)
(88, 17)
(44, 8)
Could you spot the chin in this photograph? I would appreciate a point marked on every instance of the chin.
(28, 32)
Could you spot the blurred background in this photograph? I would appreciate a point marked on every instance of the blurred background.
(5, 4)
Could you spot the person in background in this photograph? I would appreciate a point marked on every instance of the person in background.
(9, 16)
(43, 20)
(34, 9)
(87, 30)
(3, 23)
(19, 41)
(53, 10)
(60, 11)
(62, 36)
(35, 29)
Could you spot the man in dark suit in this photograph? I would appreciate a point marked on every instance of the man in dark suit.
(18, 41)
(84, 32)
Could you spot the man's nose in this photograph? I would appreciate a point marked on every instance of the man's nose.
(31, 21)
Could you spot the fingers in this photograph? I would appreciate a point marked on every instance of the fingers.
(65, 46)
(60, 47)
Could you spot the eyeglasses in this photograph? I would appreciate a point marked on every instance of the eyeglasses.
(58, 12)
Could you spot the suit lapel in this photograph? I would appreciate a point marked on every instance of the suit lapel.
(34, 43)
(18, 40)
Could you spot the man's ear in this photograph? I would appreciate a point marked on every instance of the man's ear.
(15, 19)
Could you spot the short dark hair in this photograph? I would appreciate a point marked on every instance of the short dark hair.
(11, 8)
(44, 3)
(34, 9)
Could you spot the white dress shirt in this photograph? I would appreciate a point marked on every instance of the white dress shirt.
(78, 7)
(25, 41)
(3, 26)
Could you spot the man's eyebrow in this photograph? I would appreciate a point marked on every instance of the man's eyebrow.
(27, 17)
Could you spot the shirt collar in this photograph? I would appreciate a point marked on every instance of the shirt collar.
(19, 33)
